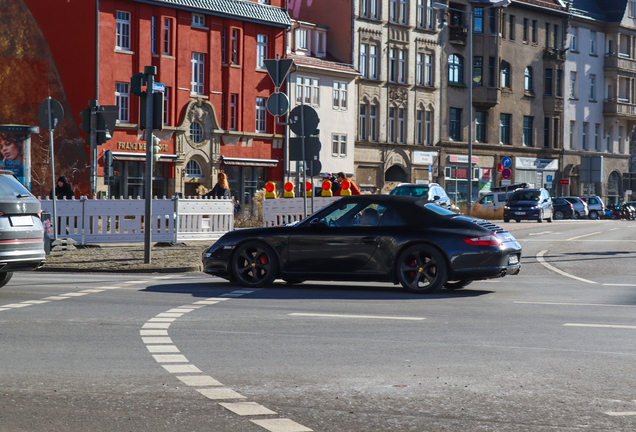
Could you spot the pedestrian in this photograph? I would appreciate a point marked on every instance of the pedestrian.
(221, 189)
(352, 186)
(63, 189)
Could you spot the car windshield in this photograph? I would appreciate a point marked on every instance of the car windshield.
(11, 188)
(525, 196)
(417, 191)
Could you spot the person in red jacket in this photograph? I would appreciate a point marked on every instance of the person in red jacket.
(355, 190)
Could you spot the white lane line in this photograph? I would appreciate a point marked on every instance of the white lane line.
(56, 298)
(169, 315)
(356, 316)
(16, 305)
(74, 294)
(162, 319)
(4, 309)
(91, 291)
(618, 413)
(162, 349)
(281, 425)
(37, 301)
(156, 325)
(217, 299)
(180, 310)
(614, 229)
(246, 408)
(232, 295)
(206, 302)
(573, 304)
(156, 340)
(153, 332)
(626, 285)
(629, 327)
(170, 358)
(584, 235)
(556, 270)
(541, 233)
(220, 393)
(192, 306)
(199, 380)
(182, 368)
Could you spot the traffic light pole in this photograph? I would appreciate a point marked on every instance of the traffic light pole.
(150, 72)
(93, 107)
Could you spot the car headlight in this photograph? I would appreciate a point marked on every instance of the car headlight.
(506, 208)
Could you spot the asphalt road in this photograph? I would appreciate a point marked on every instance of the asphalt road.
(552, 349)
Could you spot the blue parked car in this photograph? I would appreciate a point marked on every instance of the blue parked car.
(529, 204)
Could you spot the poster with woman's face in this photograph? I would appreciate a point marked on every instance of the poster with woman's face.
(12, 151)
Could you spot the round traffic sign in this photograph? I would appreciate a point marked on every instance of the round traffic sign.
(303, 120)
(506, 162)
(50, 119)
(506, 173)
(278, 104)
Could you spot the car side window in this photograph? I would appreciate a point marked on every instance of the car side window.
(486, 199)
(390, 217)
(340, 216)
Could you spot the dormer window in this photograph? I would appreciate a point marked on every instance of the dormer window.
(198, 20)
(301, 39)
(320, 40)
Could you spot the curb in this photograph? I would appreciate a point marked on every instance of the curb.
(128, 270)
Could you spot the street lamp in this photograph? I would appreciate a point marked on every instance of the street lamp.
(441, 6)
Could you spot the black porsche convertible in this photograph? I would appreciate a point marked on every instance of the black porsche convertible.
(384, 238)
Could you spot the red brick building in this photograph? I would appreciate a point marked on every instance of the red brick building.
(209, 57)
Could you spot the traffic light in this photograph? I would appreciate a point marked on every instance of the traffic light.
(157, 111)
(108, 158)
(136, 81)
(85, 116)
(156, 148)
(106, 121)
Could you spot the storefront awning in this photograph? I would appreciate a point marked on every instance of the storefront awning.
(249, 162)
(141, 157)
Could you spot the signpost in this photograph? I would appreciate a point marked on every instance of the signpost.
(506, 173)
(51, 115)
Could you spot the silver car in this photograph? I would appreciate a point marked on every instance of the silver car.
(580, 207)
(595, 206)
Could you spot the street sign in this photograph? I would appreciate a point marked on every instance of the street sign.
(278, 104)
(50, 119)
(303, 120)
(506, 162)
(506, 173)
(549, 178)
(564, 181)
(313, 168)
(109, 115)
(278, 69)
(158, 87)
(312, 148)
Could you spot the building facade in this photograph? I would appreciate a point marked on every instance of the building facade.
(210, 59)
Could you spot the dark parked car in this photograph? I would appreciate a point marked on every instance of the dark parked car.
(432, 192)
(387, 238)
(595, 206)
(532, 204)
(580, 207)
(21, 231)
(562, 209)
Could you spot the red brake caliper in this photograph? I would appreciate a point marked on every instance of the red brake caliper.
(412, 274)
(263, 259)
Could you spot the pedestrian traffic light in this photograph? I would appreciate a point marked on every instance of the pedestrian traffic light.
(156, 148)
(85, 116)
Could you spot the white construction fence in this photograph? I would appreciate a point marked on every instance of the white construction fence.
(281, 211)
(122, 220)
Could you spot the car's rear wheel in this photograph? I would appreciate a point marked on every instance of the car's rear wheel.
(575, 215)
(422, 269)
(454, 285)
(593, 214)
(254, 264)
(506, 220)
(5, 278)
(558, 215)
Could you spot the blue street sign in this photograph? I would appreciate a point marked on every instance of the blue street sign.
(158, 87)
(506, 162)
(548, 178)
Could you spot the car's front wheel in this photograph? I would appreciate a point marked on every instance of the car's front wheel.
(254, 264)
(593, 215)
(422, 269)
(5, 278)
(558, 215)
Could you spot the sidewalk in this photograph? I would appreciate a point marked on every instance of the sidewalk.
(128, 258)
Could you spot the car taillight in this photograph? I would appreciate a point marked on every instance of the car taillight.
(489, 240)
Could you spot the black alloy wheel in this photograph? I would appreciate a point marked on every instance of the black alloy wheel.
(593, 215)
(558, 215)
(422, 269)
(5, 278)
(254, 264)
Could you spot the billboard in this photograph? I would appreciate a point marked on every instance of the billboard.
(15, 151)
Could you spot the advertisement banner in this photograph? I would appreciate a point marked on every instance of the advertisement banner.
(15, 151)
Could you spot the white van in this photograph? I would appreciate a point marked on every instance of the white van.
(498, 196)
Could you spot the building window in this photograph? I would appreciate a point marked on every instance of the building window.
(401, 126)
(261, 115)
(193, 169)
(364, 60)
(534, 31)
(491, 71)
(546, 132)
(455, 69)
(261, 51)
(478, 70)
(223, 106)
(478, 22)
(592, 87)
(559, 82)
(419, 69)
(122, 41)
(166, 106)
(572, 131)
(547, 35)
(122, 100)
(428, 70)
(196, 132)
(593, 43)
(373, 123)
(368, 61)
(584, 135)
(167, 24)
(505, 121)
(597, 131)
(511, 27)
(321, 41)
(419, 127)
(301, 39)
(224, 45)
(402, 66)
(480, 126)
(369, 8)
(307, 90)
(527, 80)
(608, 140)
(363, 122)
(455, 124)
(547, 82)
(555, 133)
(153, 35)
(198, 20)
(573, 85)
(428, 119)
(397, 65)
(339, 95)
(525, 29)
(574, 39)
(528, 138)
(198, 71)
(233, 111)
(391, 125)
(235, 46)
(506, 79)
(339, 145)
(373, 62)
(263, 1)
(632, 8)
(620, 148)
(557, 41)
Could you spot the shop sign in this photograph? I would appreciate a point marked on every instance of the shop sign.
(462, 159)
(536, 163)
(424, 157)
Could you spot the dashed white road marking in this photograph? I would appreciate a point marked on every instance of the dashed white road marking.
(624, 413)
(16, 305)
(574, 304)
(154, 334)
(355, 316)
(541, 233)
(584, 235)
(617, 326)
(56, 298)
(614, 229)
(617, 284)
(556, 270)
(36, 301)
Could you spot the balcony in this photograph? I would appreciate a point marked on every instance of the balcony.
(620, 109)
(552, 104)
(619, 63)
(458, 34)
(485, 96)
(555, 54)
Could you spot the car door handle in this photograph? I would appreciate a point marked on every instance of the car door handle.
(369, 239)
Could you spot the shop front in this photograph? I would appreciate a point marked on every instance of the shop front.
(246, 177)
(537, 172)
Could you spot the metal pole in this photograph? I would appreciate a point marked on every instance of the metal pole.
(54, 215)
(470, 110)
(150, 72)
(93, 106)
(304, 162)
